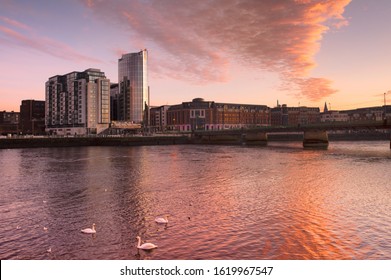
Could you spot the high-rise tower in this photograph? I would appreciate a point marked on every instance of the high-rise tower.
(133, 94)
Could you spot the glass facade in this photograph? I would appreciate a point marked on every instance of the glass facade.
(133, 86)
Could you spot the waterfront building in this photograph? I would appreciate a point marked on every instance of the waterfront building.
(32, 117)
(77, 103)
(377, 113)
(209, 115)
(133, 91)
(114, 98)
(9, 122)
(368, 114)
(282, 115)
(333, 116)
(9, 117)
(158, 116)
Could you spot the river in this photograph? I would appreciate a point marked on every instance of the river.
(224, 202)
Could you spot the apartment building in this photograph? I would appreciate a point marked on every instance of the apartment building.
(77, 103)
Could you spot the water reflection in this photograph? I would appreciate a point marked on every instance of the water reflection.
(223, 202)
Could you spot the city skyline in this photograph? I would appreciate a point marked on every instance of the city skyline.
(297, 52)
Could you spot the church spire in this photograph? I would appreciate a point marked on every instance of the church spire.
(325, 108)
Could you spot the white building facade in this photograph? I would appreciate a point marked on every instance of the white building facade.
(334, 116)
(77, 103)
(158, 118)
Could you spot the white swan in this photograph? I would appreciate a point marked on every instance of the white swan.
(145, 246)
(89, 230)
(161, 220)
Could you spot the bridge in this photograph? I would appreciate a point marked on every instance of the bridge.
(314, 135)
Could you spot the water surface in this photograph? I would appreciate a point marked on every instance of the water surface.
(224, 202)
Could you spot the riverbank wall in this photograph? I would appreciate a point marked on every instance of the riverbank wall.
(42, 142)
(352, 136)
(12, 143)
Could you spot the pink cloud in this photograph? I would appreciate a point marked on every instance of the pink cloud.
(90, 3)
(119, 52)
(40, 43)
(15, 23)
(315, 88)
(198, 41)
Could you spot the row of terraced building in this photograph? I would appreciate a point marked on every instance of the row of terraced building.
(209, 115)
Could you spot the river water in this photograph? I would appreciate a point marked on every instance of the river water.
(223, 202)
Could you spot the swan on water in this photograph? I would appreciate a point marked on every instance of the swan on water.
(49, 250)
(161, 220)
(89, 230)
(45, 228)
(145, 246)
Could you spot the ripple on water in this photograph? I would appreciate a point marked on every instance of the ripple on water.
(223, 202)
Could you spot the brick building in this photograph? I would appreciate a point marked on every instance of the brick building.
(209, 115)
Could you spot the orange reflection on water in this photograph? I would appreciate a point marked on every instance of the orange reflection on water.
(313, 229)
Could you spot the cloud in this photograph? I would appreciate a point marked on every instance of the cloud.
(199, 40)
(15, 23)
(42, 44)
(316, 88)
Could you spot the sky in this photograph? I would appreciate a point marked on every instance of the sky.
(299, 52)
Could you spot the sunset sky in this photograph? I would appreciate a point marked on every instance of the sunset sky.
(300, 52)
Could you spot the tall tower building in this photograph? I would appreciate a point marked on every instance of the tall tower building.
(77, 103)
(133, 101)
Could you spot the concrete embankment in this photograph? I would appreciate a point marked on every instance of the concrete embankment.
(217, 139)
(357, 136)
(11, 143)
(353, 136)
(259, 139)
(249, 138)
